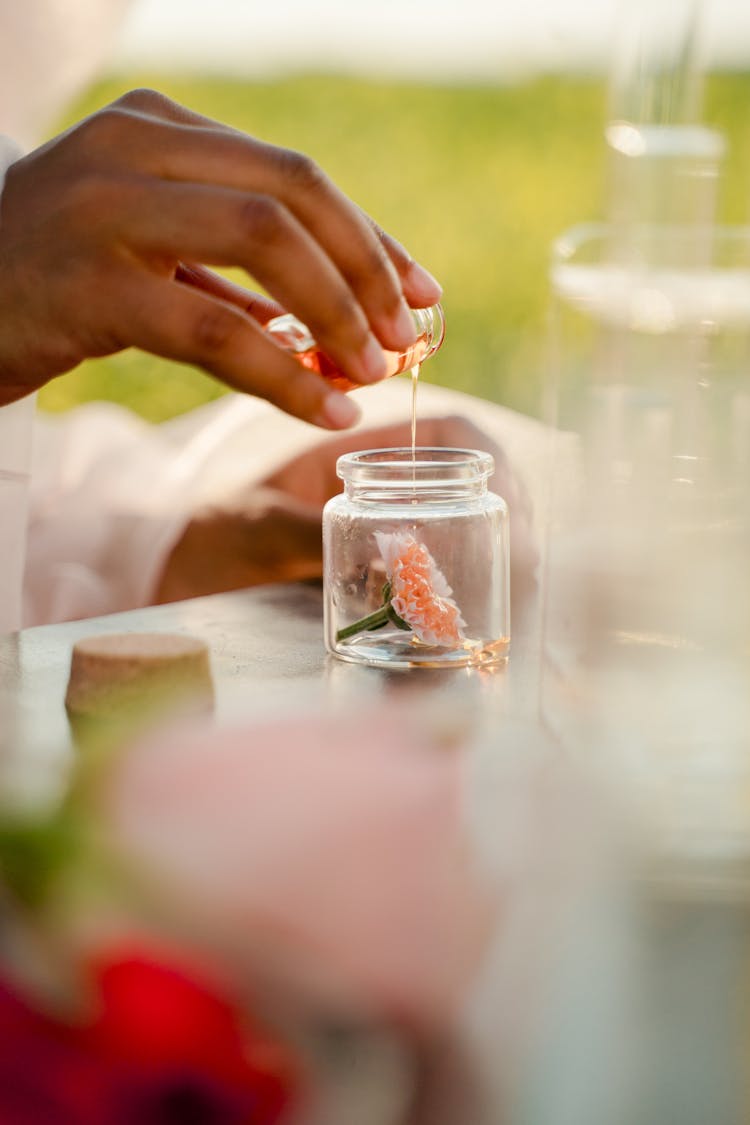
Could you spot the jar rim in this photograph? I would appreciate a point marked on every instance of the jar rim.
(438, 464)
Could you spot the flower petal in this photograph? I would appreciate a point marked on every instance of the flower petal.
(420, 594)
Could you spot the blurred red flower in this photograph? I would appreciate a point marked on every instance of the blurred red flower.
(161, 1049)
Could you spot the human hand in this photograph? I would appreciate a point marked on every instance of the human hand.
(272, 532)
(311, 478)
(258, 536)
(106, 231)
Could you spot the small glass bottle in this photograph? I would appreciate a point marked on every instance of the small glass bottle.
(415, 560)
(295, 337)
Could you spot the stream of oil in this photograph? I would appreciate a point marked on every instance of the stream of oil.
(414, 385)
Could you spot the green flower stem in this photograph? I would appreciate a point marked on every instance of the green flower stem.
(376, 620)
(372, 621)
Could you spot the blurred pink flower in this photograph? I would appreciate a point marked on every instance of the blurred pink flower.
(328, 856)
(419, 592)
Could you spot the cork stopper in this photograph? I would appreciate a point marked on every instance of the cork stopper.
(139, 674)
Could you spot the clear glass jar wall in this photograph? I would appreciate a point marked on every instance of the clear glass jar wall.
(416, 565)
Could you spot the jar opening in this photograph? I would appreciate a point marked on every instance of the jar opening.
(430, 465)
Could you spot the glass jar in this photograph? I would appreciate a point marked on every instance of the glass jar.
(295, 337)
(415, 560)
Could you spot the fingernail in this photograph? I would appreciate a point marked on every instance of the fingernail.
(338, 412)
(421, 279)
(372, 361)
(403, 327)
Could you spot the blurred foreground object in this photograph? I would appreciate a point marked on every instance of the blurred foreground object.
(152, 1041)
(410, 908)
(135, 671)
(330, 851)
(648, 604)
(385, 869)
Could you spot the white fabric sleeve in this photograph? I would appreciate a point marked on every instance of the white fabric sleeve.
(104, 514)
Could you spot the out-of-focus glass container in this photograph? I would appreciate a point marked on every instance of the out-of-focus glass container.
(647, 620)
(416, 567)
(647, 599)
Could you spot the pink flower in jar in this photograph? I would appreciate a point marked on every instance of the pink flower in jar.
(416, 596)
(419, 593)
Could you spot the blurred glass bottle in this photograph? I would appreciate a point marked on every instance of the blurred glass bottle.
(647, 619)
(663, 162)
(648, 612)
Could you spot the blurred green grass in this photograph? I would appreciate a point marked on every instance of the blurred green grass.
(475, 180)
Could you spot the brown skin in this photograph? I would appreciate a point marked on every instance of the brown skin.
(106, 236)
(272, 533)
(107, 230)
